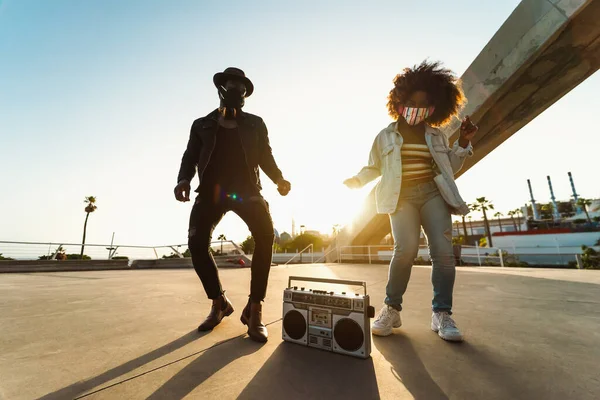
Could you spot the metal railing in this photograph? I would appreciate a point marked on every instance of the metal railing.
(50, 250)
(311, 247)
(324, 256)
(470, 255)
(479, 255)
(486, 258)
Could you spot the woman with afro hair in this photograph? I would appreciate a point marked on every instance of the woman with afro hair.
(417, 187)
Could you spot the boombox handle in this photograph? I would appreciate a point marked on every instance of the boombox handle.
(325, 280)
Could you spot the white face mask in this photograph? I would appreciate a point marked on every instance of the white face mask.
(413, 115)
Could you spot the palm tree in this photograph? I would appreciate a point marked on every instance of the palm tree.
(498, 215)
(336, 229)
(222, 238)
(464, 224)
(90, 207)
(518, 213)
(457, 228)
(471, 221)
(584, 203)
(482, 204)
(512, 214)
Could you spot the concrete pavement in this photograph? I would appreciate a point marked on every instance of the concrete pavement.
(131, 334)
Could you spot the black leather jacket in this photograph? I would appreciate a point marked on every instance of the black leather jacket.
(255, 142)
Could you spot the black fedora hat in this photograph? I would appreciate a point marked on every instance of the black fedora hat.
(234, 74)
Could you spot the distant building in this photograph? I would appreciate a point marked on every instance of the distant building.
(285, 237)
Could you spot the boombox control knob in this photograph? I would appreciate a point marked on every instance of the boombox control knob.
(295, 287)
(301, 288)
(343, 292)
(331, 293)
(371, 312)
(356, 294)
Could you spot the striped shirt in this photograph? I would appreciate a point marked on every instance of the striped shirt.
(417, 164)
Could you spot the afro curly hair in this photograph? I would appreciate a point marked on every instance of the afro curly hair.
(441, 85)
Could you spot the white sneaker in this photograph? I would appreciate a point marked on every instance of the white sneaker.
(444, 325)
(387, 319)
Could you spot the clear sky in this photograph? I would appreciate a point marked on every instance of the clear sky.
(97, 98)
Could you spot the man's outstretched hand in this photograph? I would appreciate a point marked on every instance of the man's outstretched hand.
(284, 187)
(182, 191)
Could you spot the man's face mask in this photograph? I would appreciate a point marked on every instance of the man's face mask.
(232, 100)
(413, 115)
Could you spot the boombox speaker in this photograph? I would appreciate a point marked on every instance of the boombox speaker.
(337, 322)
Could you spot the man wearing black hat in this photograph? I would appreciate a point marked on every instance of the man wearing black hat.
(227, 147)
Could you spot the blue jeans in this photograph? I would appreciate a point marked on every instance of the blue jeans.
(423, 205)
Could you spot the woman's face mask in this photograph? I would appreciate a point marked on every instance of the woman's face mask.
(414, 115)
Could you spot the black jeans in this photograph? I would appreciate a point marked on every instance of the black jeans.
(205, 216)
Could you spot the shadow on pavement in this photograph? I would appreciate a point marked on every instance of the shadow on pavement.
(461, 369)
(79, 388)
(407, 367)
(299, 372)
(204, 366)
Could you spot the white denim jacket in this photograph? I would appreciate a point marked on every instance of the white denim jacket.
(385, 161)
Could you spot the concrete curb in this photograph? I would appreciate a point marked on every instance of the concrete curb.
(23, 266)
(17, 266)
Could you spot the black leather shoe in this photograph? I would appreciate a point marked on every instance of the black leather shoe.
(219, 310)
(252, 317)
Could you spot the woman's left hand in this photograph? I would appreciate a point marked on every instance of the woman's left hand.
(467, 129)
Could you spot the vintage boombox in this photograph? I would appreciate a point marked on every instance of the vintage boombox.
(337, 322)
